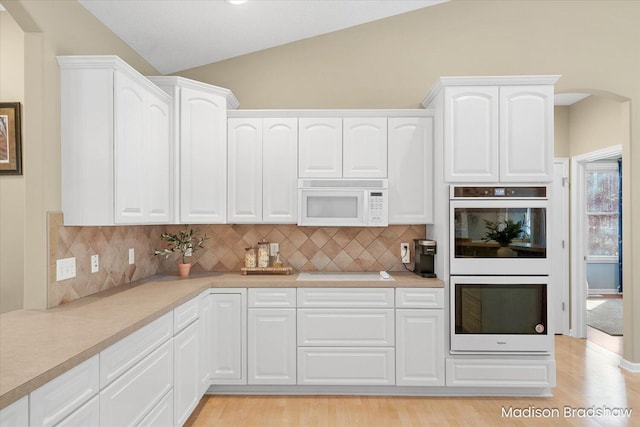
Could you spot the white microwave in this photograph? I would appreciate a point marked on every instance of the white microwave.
(343, 202)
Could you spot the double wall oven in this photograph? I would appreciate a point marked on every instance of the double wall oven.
(499, 270)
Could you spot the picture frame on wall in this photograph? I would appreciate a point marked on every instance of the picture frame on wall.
(10, 139)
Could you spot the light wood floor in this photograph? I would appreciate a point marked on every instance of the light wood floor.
(588, 376)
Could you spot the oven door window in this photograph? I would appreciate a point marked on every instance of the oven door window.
(500, 232)
(501, 309)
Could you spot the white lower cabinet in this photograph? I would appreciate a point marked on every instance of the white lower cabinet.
(420, 337)
(16, 414)
(229, 336)
(345, 327)
(128, 399)
(420, 347)
(186, 389)
(86, 415)
(346, 365)
(54, 401)
(272, 346)
(346, 336)
(505, 372)
(161, 415)
(206, 342)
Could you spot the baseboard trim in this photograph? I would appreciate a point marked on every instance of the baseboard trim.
(632, 367)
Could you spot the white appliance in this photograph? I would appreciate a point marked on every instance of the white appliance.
(343, 202)
(500, 314)
(475, 210)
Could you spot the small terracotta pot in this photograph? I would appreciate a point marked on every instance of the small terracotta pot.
(184, 269)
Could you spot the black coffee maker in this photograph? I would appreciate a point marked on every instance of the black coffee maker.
(425, 253)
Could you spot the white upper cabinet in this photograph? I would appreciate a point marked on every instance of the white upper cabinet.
(526, 133)
(471, 134)
(279, 170)
(245, 170)
(116, 144)
(262, 170)
(200, 131)
(410, 170)
(320, 147)
(495, 129)
(364, 151)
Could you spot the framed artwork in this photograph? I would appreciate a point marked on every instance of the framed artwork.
(10, 139)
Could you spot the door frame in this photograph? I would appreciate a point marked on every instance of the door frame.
(560, 251)
(579, 288)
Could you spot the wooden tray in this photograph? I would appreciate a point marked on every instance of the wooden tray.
(266, 270)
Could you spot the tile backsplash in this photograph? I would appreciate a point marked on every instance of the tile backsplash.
(303, 248)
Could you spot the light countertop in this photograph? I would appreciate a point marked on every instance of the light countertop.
(38, 345)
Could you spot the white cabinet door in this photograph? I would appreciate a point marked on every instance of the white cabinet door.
(410, 170)
(471, 134)
(271, 346)
(280, 170)
(186, 388)
(320, 147)
(158, 149)
(116, 148)
(203, 157)
(130, 135)
(526, 133)
(229, 338)
(420, 347)
(206, 342)
(245, 170)
(364, 149)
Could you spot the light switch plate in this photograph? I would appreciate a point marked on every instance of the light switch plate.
(132, 256)
(65, 269)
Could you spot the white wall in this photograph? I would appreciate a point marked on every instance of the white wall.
(12, 238)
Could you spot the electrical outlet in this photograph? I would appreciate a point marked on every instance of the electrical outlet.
(405, 255)
(95, 263)
(65, 269)
(132, 256)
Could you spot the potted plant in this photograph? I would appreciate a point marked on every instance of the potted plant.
(185, 243)
(503, 232)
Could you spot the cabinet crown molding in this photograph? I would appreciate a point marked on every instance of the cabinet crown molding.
(114, 62)
(232, 101)
(443, 82)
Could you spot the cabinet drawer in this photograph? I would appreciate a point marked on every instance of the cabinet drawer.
(121, 356)
(419, 298)
(61, 396)
(345, 297)
(270, 297)
(346, 366)
(500, 373)
(346, 327)
(87, 415)
(127, 400)
(161, 414)
(185, 314)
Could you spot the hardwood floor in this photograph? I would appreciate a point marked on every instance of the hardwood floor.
(588, 377)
